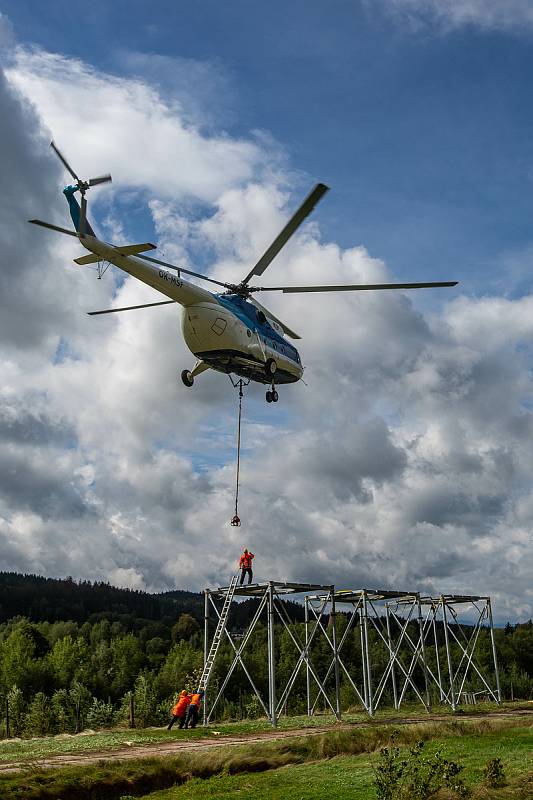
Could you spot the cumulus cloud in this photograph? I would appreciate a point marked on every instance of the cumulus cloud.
(404, 462)
(143, 136)
(510, 15)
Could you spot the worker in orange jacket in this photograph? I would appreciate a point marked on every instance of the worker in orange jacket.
(245, 565)
(180, 709)
(193, 710)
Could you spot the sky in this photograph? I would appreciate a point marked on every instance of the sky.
(405, 460)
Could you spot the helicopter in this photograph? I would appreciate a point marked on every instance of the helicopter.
(228, 331)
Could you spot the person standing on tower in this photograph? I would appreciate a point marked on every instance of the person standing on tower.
(245, 565)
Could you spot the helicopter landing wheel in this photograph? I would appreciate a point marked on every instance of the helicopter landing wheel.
(269, 397)
(187, 378)
(270, 367)
(274, 396)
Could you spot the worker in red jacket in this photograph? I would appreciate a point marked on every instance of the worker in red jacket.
(180, 709)
(245, 565)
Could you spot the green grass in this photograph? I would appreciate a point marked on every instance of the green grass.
(351, 777)
(33, 749)
(28, 750)
(44, 747)
(230, 771)
(342, 778)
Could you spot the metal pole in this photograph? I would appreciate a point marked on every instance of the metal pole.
(441, 691)
(271, 656)
(307, 675)
(206, 647)
(367, 656)
(496, 671)
(363, 662)
(335, 654)
(391, 659)
(448, 654)
(423, 652)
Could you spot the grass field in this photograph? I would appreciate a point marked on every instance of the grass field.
(29, 750)
(351, 777)
(335, 763)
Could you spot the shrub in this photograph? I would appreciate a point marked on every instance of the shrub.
(253, 708)
(388, 773)
(147, 709)
(63, 711)
(412, 775)
(193, 679)
(39, 717)
(16, 705)
(100, 714)
(81, 699)
(494, 774)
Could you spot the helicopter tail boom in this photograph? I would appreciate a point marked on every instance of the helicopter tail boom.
(158, 278)
(75, 211)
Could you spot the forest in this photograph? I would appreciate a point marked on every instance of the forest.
(83, 655)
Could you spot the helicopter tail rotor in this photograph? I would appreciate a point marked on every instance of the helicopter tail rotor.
(79, 212)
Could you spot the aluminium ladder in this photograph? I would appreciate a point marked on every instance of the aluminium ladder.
(217, 638)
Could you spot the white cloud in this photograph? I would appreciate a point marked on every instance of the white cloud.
(504, 15)
(405, 462)
(103, 122)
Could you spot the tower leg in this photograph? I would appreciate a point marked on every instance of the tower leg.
(206, 647)
(335, 654)
(494, 656)
(448, 654)
(271, 658)
(307, 675)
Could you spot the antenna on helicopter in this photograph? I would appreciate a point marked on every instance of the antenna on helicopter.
(81, 187)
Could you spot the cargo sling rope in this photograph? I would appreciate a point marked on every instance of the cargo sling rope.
(240, 384)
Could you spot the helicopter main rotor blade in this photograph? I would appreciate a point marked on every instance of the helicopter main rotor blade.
(64, 161)
(291, 227)
(101, 179)
(129, 308)
(353, 287)
(186, 271)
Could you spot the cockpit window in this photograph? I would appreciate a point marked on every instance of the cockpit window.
(219, 325)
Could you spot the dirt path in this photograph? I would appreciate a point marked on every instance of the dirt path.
(176, 746)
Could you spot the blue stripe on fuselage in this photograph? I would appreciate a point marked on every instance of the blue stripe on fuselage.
(247, 313)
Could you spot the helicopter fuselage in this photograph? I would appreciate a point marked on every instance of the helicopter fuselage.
(230, 335)
(224, 331)
(228, 331)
